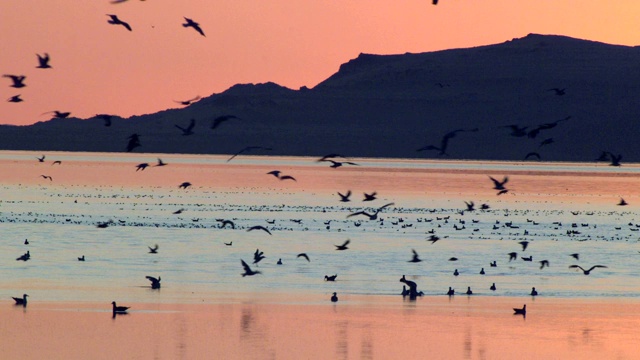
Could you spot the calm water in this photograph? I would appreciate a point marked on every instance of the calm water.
(559, 209)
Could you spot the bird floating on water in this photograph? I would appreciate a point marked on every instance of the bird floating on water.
(21, 301)
(334, 297)
(155, 283)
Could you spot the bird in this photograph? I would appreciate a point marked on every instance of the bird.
(277, 173)
(194, 25)
(444, 142)
(451, 292)
(370, 216)
(41, 159)
(184, 185)
(188, 102)
(43, 61)
(345, 197)
(533, 292)
(330, 278)
(522, 311)
(499, 185)
(26, 241)
(230, 243)
(575, 256)
(58, 114)
(160, 163)
(471, 206)
(119, 309)
(248, 148)
(524, 245)
(106, 118)
(413, 287)
(433, 238)
(224, 223)
(24, 257)
(279, 262)
(81, 258)
(337, 164)
(544, 263)
(415, 257)
(615, 159)
(141, 166)
(258, 256)
(469, 292)
(370, 197)
(456, 272)
(57, 162)
(189, 129)
(15, 99)
(558, 91)
(493, 264)
(493, 287)
(247, 270)
(154, 249)
(220, 119)
(47, 177)
(586, 272)
(259, 227)
(517, 130)
(622, 202)
(304, 255)
(21, 301)
(134, 142)
(17, 80)
(532, 154)
(513, 256)
(155, 283)
(115, 21)
(334, 297)
(530, 258)
(343, 246)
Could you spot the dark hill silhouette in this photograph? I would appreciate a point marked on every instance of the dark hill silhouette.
(392, 105)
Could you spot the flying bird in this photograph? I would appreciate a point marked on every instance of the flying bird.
(141, 166)
(41, 159)
(160, 163)
(558, 91)
(194, 25)
(499, 185)
(220, 119)
(43, 61)
(277, 173)
(154, 249)
(224, 223)
(58, 114)
(513, 256)
(247, 270)
(248, 148)
(433, 238)
(258, 256)
(337, 164)
(370, 197)
(184, 185)
(47, 177)
(343, 246)
(18, 80)
(444, 142)
(345, 197)
(586, 272)
(615, 159)
(188, 102)
(15, 99)
(304, 255)
(415, 257)
(622, 202)
(371, 216)
(189, 129)
(543, 264)
(106, 118)
(259, 227)
(524, 245)
(115, 21)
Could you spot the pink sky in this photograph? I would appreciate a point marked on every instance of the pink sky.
(102, 68)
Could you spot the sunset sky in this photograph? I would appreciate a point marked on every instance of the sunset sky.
(103, 68)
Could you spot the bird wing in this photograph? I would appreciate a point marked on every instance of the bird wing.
(359, 213)
(576, 266)
(596, 266)
(245, 266)
(385, 206)
(304, 256)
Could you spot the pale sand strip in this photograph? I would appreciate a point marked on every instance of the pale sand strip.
(380, 327)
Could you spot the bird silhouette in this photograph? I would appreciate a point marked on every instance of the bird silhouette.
(58, 114)
(248, 148)
(119, 309)
(142, 166)
(493, 287)
(17, 80)
(189, 129)
(513, 256)
(15, 99)
(81, 258)
(524, 244)
(522, 311)
(160, 163)
(345, 197)
(444, 142)
(433, 238)
(304, 255)
(134, 142)
(258, 256)
(517, 130)
(575, 256)
(532, 155)
(469, 292)
(184, 185)
(586, 272)
(187, 102)
(451, 292)
(43, 61)
(371, 216)
(57, 162)
(155, 283)
(543, 264)
(259, 227)
(337, 164)
(106, 118)
(330, 278)
(471, 206)
(334, 297)
(224, 223)
(370, 197)
(247, 270)
(415, 257)
(115, 21)
(21, 301)
(615, 159)
(154, 249)
(343, 246)
(622, 202)
(47, 177)
(194, 25)
(534, 292)
(499, 185)
(220, 119)
(413, 287)
(277, 174)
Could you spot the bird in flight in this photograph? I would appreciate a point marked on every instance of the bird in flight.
(41, 159)
(337, 164)
(43, 61)
(370, 197)
(415, 257)
(370, 216)
(499, 185)
(220, 119)
(184, 185)
(106, 118)
(543, 264)
(524, 245)
(47, 177)
(154, 249)
(433, 238)
(622, 202)
(304, 255)
(189, 129)
(18, 80)
(444, 142)
(615, 159)
(194, 25)
(345, 197)
(586, 272)
(15, 99)
(134, 142)
(277, 173)
(343, 246)
(224, 223)
(115, 21)
(141, 166)
(160, 163)
(247, 270)
(248, 148)
(58, 114)
(188, 102)
(258, 256)
(259, 227)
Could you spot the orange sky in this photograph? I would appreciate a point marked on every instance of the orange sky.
(102, 68)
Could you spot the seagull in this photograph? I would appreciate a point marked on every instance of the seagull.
(337, 164)
(615, 159)
(371, 216)
(220, 119)
(115, 21)
(58, 162)
(530, 258)
(413, 287)
(259, 227)
(334, 297)
(247, 270)
(345, 197)
(81, 258)
(532, 154)
(304, 255)
(47, 177)
(544, 263)
(277, 173)
(230, 243)
(470, 205)
(622, 202)
(524, 245)
(119, 309)
(141, 166)
(194, 25)
(160, 163)
(248, 148)
(586, 272)
(258, 256)
(134, 142)
(41, 159)
(330, 278)
(155, 283)
(154, 249)
(370, 197)
(43, 61)
(224, 223)
(184, 185)
(499, 185)
(18, 80)
(415, 257)
(189, 129)
(58, 114)
(21, 301)
(330, 156)
(575, 256)
(522, 311)
(188, 102)
(343, 246)
(444, 142)
(15, 99)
